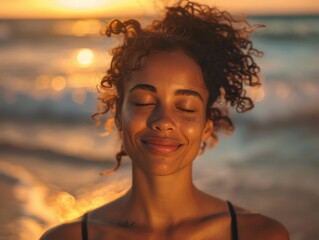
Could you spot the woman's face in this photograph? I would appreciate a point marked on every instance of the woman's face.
(163, 119)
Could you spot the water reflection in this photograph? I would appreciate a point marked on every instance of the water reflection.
(42, 82)
(256, 93)
(58, 83)
(78, 28)
(67, 207)
(83, 80)
(85, 56)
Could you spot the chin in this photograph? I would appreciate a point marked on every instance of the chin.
(158, 168)
(161, 169)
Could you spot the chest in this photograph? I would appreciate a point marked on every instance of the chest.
(216, 230)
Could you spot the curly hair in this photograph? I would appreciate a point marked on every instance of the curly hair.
(214, 39)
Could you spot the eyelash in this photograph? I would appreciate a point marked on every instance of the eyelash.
(186, 110)
(150, 104)
(143, 104)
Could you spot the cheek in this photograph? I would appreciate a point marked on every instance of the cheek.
(132, 124)
(192, 127)
(133, 118)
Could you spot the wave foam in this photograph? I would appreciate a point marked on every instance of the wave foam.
(31, 194)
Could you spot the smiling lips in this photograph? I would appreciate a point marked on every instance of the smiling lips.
(161, 145)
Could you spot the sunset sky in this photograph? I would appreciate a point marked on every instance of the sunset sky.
(110, 8)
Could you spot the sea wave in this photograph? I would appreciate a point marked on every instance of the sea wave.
(42, 206)
(309, 35)
(287, 28)
(74, 143)
(47, 154)
(31, 195)
(277, 27)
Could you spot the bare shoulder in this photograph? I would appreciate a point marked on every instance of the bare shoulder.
(67, 231)
(256, 226)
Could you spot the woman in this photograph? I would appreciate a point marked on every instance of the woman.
(169, 86)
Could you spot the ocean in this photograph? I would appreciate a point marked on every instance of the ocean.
(51, 152)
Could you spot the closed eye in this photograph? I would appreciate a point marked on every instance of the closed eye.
(186, 110)
(143, 104)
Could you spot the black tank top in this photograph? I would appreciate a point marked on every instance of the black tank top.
(84, 227)
(233, 225)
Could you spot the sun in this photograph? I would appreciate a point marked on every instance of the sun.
(83, 4)
(85, 56)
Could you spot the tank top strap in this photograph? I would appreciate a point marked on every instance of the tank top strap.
(234, 231)
(84, 227)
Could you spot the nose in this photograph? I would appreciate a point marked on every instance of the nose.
(162, 120)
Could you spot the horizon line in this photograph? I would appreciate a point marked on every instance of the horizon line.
(302, 14)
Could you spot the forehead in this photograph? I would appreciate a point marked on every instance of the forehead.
(168, 70)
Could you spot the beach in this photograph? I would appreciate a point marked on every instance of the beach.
(51, 151)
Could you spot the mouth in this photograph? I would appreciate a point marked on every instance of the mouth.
(161, 146)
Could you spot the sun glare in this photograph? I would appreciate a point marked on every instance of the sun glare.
(83, 4)
(85, 56)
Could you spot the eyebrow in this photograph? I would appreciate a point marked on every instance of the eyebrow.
(144, 87)
(178, 92)
(188, 92)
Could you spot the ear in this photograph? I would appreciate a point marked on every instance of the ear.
(207, 130)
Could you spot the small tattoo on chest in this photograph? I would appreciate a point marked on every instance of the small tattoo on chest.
(126, 224)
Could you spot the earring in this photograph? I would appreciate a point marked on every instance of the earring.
(202, 148)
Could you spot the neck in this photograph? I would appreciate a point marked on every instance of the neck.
(162, 201)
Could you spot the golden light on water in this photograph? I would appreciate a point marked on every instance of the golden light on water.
(64, 201)
(42, 82)
(256, 93)
(67, 207)
(77, 28)
(85, 56)
(80, 82)
(88, 81)
(86, 27)
(58, 83)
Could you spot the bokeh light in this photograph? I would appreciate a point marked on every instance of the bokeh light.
(256, 93)
(85, 56)
(58, 83)
(42, 82)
